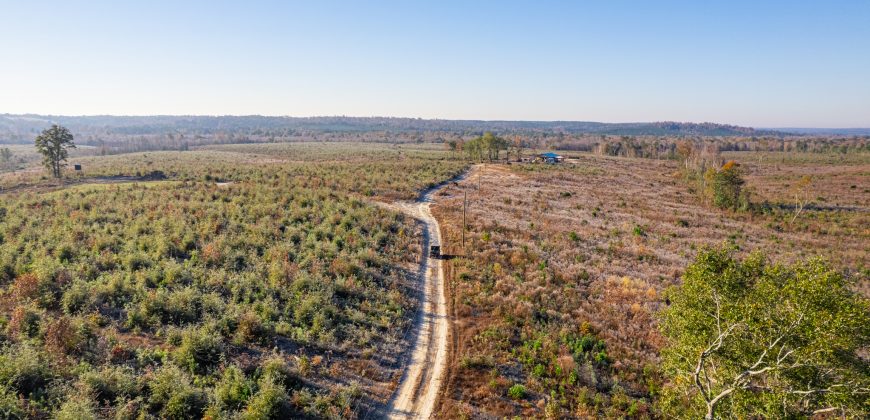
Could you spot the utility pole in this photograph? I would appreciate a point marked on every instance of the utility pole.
(464, 210)
(480, 175)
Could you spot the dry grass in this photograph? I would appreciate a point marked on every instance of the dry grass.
(838, 190)
(556, 252)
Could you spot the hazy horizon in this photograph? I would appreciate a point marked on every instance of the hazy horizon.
(771, 65)
(433, 119)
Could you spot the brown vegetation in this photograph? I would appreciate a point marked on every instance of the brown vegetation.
(564, 270)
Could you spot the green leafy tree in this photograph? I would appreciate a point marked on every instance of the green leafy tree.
(53, 143)
(473, 148)
(725, 187)
(750, 339)
(488, 145)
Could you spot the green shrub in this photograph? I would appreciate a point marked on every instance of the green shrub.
(25, 369)
(270, 401)
(146, 357)
(638, 230)
(725, 187)
(250, 329)
(173, 395)
(114, 290)
(234, 389)
(304, 364)
(52, 277)
(109, 383)
(163, 383)
(200, 351)
(185, 403)
(10, 405)
(76, 408)
(517, 392)
(175, 307)
(276, 368)
(77, 298)
(346, 396)
(137, 261)
(135, 408)
(587, 342)
(65, 253)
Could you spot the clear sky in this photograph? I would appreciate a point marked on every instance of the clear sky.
(757, 63)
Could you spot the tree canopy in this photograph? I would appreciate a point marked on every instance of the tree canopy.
(751, 339)
(725, 187)
(53, 143)
(488, 145)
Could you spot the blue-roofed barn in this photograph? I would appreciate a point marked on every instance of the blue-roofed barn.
(550, 157)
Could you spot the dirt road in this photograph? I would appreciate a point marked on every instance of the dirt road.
(417, 393)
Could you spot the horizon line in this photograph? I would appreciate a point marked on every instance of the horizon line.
(443, 119)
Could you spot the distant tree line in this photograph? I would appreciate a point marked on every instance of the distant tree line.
(667, 148)
(110, 135)
(149, 125)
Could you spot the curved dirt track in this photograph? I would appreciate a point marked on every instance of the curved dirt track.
(417, 392)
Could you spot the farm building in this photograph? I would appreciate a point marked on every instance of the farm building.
(549, 157)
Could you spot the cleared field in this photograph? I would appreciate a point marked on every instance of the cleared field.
(837, 191)
(371, 170)
(263, 280)
(554, 306)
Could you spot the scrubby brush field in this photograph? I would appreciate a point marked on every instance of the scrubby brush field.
(834, 188)
(555, 305)
(249, 282)
(377, 171)
(262, 280)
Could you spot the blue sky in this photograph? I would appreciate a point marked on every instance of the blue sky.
(757, 63)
